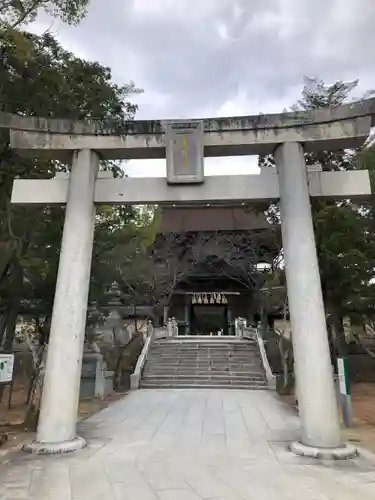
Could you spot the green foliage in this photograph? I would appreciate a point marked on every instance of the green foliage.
(13, 13)
(51, 82)
(346, 253)
(344, 231)
(316, 94)
(123, 238)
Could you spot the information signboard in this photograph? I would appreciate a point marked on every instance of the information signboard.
(184, 152)
(6, 368)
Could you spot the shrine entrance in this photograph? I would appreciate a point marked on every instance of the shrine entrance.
(207, 319)
(209, 313)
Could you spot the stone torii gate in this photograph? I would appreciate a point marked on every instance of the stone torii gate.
(185, 144)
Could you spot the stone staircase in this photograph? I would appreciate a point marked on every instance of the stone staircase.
(207, 362)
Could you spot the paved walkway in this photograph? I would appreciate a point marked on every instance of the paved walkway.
(188, 445)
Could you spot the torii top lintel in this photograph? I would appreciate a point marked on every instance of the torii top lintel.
(329, 128)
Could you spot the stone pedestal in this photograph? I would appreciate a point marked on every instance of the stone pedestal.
(96, 380)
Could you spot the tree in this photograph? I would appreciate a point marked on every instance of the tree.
(17, 13)
(344, 238)
(123, 238)
(51, 82)
(14, 13)
(237, 255)
(149, 275)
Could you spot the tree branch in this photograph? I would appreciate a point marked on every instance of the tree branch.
(34, 6)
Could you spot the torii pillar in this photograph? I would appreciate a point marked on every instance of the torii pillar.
(59, 407)
(312, 361)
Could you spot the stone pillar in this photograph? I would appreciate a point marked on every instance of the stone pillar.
(169, 327)
(229, 319)
(58, 415)
(165, 314)
(174, 327)
(315, 385)
(149, 328)
(187, 315)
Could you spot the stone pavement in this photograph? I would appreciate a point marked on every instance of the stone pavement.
(188, 445)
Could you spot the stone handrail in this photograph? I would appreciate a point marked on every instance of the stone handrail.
(249, 333)
(254, 334)
(135, 377)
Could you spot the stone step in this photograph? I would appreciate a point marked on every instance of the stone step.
(204, 354)
(203, 369)
(234, 347)
(206, 378)
(234, 373)
(198, 347)
(194, 385)
(195, 376)
(206, 366)
(218, 371)
(212, 363)
(197, 354)
(207, 339)
(177, 359)
(204, 358)
(182, 357)
(206, 342)
(242, 355)
(202, 361)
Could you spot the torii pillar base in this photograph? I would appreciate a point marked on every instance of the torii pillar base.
(39, 448)
(343, 452)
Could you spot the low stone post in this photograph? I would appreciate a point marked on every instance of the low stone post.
(169, 328)
(242, 327)
(240, 324)
(174, 327)
(149, 328)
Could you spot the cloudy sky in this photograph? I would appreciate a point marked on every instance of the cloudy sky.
(198, 58)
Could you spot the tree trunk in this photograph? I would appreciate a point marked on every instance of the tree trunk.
(5, 258)
(39, 354)
(11, 324)
(14, 304)
(336, 329)
(368, 351)
(3, 324)
(333, 342)
(341, 340)
(9, 334)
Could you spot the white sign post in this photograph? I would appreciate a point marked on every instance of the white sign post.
(344, 388)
